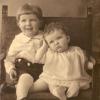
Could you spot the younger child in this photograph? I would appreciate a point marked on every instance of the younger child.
(64, 70)
(25, 46)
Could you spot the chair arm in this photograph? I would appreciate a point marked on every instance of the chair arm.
(96, 80)
(2, 69)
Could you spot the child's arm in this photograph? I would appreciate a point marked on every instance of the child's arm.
(88, 60)
(10, 67)
(40, 52)
(91, 62)
(9, 61)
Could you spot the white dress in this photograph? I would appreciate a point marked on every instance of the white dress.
(63, 68)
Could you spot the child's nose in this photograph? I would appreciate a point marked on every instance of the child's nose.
(27, 22)
(56, 42)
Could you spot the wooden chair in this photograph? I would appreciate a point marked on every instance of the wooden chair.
(81, 35)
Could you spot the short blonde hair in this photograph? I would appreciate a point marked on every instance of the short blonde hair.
(29, 9)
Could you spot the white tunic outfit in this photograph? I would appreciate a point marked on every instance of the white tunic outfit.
(62, 69)
(22, 47)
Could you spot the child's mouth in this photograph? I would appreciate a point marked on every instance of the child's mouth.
(29, 29)
(58, 48)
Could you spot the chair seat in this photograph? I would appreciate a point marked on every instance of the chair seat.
(9, 94)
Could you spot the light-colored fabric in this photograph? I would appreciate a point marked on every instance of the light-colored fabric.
(39, 86)
(63, 68)
(58, 92)
(24, 84)
(24, 47)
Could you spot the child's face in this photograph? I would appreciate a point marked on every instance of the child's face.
(29, 24)
(58, 41)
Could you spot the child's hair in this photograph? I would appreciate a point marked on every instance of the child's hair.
(51, 27)
(29, 9)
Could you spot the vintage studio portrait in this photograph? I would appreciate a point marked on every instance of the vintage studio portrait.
(49, 49)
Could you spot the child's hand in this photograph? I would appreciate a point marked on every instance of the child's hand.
(91, 63)
(38, 43)
(13, 74)
(41, 52)
(92, 60)
(44, 45)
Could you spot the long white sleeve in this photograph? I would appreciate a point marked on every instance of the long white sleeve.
(16, 46)
(40, 54)
(11, 56)
(9, 65)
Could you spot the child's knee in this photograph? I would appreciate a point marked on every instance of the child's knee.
(26, 78)
(24, 83)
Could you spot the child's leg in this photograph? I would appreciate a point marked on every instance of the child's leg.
(39, 86)
(73, 90)
(24, 83)
(58, 91)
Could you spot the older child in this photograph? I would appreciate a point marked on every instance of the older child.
(64, 70)
(25, 46)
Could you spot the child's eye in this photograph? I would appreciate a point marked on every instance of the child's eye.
(59, 37)
(50, 42)
(33, 20)
(23, 20)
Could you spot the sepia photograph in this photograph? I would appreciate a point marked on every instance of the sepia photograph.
(49, 50)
